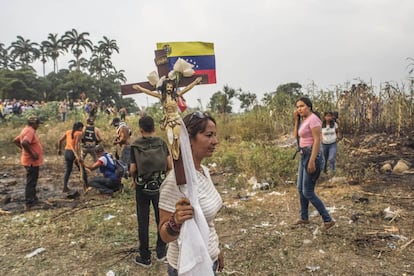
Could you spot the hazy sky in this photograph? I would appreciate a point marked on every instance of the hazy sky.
(258, 44)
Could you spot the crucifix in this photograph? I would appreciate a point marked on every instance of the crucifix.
(169, 98)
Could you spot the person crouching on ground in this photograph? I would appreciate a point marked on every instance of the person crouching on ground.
(109, 182)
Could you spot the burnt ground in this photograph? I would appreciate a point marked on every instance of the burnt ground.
(373, 235)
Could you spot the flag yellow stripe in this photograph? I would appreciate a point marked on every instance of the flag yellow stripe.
(196, 48)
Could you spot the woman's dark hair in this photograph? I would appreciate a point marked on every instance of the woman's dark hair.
(308, 103)
(146, 123)
(331, 122)
(76, 126)
(196, 122)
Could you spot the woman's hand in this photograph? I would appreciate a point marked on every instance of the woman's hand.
(296, 115)
(183, 211)
(220, 261)
(311, 166)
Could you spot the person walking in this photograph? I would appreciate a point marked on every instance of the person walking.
(176, 209)
(91, 136)
(310, 165)
(31, 157)
(150, 161)
(330, 134)
(122, 138)
(70, 137)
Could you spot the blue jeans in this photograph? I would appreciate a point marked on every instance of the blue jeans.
(69, 160)
(306, 186)
(173, 272)
(329, 153)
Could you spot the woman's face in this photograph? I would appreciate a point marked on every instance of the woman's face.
(328, 117)
(302, 109)
(204, 144)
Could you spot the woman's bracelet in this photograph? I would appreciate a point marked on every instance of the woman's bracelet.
(173, 229)
(170, 231)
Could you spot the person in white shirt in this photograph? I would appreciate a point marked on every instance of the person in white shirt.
(175, 208)
(330, 135)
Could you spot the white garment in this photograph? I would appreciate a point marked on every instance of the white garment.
(194, 258)
(329, 134)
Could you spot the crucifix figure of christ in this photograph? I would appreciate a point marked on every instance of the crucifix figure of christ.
(171, 119)
(168, 95)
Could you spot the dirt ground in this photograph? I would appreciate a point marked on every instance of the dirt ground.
(373, 235)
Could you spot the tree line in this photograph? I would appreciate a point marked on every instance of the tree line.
(91, 70)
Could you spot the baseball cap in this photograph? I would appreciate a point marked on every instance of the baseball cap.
(34, 120)
(115, 121)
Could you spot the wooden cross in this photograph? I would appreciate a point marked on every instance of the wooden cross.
(161, 61)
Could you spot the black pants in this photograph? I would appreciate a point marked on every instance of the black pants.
(143, 210)
(32, 175)
(69, 160)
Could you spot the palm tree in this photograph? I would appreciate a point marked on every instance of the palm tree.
(43, 56)
(107, 46)
(6, 61)
(55, 48)
(25, 51)
(117, 76)
(76, 42)
(78, 64)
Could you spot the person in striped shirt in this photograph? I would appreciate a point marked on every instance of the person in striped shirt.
(175, 208)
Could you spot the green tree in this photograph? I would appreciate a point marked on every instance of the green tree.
(107, 46)
(20, 84)
(221, 102)
(247, 100)
(43, 57)
(54, 47)
(76, 42)
(24, 51)
(6, 61)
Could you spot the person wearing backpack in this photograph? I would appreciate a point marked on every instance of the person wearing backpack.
(150, 161)
(110, 182)
(91, 136)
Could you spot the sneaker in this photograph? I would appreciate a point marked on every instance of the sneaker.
(161, 258)
(66, 190)
(328, 225)
(301, 222)
(161, 254)
(142, 262)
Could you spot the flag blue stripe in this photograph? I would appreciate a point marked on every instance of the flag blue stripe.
(199, 62)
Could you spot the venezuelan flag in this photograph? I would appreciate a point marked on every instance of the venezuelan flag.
(200, 54)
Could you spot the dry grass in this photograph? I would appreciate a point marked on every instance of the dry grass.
(256, 234)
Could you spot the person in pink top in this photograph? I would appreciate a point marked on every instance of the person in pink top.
(31, 158)
(308, 128)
